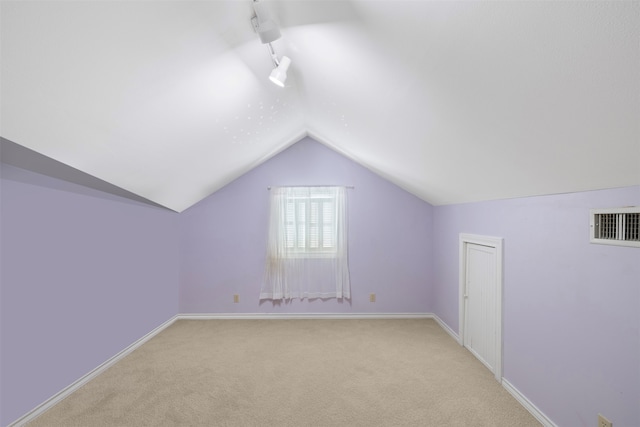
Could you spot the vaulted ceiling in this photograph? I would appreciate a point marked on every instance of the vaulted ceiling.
(454, 101)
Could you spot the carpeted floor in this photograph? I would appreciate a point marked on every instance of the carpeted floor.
(294, 373)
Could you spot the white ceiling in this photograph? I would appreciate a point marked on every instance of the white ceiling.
(455, 101)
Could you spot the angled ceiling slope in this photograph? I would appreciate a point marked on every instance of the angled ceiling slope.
(21, 157)
(453, 101)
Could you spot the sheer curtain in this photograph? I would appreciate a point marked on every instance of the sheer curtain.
(307, 254)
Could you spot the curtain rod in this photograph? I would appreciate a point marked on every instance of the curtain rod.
(350, 187)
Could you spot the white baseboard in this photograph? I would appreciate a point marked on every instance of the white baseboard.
(58, 397)
(537, 413)
(446, 328)
(264, 316)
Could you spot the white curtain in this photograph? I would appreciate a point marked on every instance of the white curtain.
(307, 254)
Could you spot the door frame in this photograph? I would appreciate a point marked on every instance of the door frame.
(493, 242)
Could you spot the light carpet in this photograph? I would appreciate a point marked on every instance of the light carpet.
(294, 373)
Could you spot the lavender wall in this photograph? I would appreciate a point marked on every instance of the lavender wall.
(73, 258)
(224, 239)
(571, 308)
(84, 275)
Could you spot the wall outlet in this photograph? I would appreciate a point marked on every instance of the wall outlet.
(603, 422)
(372, 297)
(236, 298)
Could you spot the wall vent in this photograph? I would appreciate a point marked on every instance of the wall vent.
(616, 226)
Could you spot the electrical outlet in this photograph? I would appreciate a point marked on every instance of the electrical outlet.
(603, 422)
(236, 298)
(372, 297)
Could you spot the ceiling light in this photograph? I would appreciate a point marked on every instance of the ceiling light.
(279, 74)
(268, 31)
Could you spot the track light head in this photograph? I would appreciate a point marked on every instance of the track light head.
(279, 74)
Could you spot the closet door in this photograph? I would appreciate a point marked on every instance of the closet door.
(481, 301)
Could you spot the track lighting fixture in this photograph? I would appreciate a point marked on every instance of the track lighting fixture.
(279, 74)
(264, 25)
(268, 32)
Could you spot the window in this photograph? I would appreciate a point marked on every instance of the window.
(310, 222)
(307, 248)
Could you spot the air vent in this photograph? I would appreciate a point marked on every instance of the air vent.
(618, 226)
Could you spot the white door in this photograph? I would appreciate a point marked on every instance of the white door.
(482, 303)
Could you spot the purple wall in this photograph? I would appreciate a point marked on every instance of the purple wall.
(84, 275)
(571, 309)
(224, 239)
